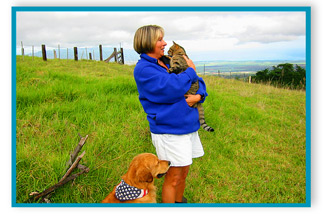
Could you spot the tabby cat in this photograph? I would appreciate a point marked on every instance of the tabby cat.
(177, 65)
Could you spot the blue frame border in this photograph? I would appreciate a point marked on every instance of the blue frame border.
(306, 9)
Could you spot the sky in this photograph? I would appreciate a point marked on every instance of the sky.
(204, 35)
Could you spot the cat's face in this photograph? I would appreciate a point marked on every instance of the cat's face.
(176, 49)
(173, 49)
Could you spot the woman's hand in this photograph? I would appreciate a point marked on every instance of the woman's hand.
(189, 62)
(193, 99)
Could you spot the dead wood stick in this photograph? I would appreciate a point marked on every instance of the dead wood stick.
(67, 176)
(76, 151)
(82, 167)
(73, 166)
(54, 187)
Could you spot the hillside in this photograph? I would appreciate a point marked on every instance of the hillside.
(239, 69)
(255, 155)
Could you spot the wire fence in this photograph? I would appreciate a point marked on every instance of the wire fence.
(83, 53)
(109, 53)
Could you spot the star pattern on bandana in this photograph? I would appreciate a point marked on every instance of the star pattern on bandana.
(126, 192)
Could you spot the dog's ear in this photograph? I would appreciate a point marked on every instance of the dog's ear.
(144, 175)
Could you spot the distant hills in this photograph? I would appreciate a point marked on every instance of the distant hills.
(229, 68)
(217, 67)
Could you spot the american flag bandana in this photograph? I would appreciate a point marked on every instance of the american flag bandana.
(126, 192)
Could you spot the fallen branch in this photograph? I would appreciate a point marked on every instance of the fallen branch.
(73, 163)
(76, 150)
(82, 167)
(54, 187)
(73, 166)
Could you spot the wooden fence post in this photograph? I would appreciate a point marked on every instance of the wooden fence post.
(90, 56)
(54, 54)
(75, 53)
(100, 50)
(115, 52)
(22, 50)
(122, 55)
(44, 52)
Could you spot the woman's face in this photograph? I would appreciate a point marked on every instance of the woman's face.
(158, 51)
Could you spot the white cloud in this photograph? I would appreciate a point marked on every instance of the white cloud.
(196, 31)
(276, 28)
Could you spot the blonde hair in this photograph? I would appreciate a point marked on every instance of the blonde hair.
(146, 37)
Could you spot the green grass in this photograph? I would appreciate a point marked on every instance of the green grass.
(256, 154)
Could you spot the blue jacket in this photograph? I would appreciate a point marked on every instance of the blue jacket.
(162, 97)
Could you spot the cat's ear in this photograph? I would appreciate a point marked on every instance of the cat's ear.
(176, 45)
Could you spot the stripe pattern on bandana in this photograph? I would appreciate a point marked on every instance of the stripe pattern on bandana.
(126, 192)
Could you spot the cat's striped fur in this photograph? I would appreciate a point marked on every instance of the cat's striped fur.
(177, 65)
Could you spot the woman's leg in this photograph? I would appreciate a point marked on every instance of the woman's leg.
(174, 184)
(182, 184)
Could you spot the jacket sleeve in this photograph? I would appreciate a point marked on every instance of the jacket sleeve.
(161, 87)
(202, 90)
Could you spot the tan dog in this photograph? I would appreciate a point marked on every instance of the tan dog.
(137, 185)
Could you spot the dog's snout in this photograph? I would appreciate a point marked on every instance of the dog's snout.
(169, 163)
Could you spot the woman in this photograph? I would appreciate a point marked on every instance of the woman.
(173, 123)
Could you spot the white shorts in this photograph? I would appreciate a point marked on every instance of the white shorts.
(178, 149)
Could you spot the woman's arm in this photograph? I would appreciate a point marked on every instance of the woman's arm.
(161, 87)
(201, 93)
(200, 96)
(202, 90)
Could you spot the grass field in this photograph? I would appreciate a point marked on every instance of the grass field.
(256, 154)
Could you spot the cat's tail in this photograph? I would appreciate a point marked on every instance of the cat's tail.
(202, 121)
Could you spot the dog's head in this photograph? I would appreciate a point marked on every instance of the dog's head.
(144, 167)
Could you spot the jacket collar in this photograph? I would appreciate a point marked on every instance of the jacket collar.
(165, 59)
(148, 58)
